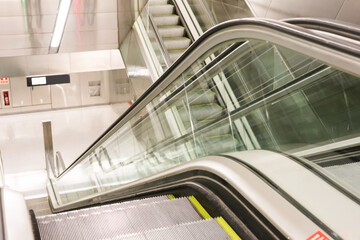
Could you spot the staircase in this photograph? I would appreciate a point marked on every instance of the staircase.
(162, 217)
(171, 30)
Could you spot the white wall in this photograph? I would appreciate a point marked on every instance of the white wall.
(342, 10)
(74, 94)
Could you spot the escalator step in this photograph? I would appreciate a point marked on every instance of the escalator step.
(171, 31)
(158, 2)
(220, 143)
(163, 9)
(175, 54)
(201, 96)
(165, 213)
(169, 19)
(217, 130)
(118, 220)
(200, 230)
(102, 208)
(201, 112)
(176, 43)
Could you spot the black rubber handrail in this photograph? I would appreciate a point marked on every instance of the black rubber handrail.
(272, 25)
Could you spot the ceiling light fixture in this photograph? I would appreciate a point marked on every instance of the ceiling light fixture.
(64, 8)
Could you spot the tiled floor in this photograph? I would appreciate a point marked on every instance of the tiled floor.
(22, 146)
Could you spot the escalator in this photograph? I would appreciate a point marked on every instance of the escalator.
(151, 218)
(265, 97)
(170, 27)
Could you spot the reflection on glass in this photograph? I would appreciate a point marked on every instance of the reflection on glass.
(256, 96)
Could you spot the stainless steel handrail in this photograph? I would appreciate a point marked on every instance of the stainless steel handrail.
(246, 25)
(328, 25)
(59, 164)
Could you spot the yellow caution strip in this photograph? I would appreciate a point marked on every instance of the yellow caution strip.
(41, 210)
(200, 208)
(171, 196)
(232, 234)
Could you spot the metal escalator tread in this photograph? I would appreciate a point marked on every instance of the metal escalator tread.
(119, 219)
(101, 208)
(207, 229)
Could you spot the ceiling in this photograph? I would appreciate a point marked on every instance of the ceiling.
(26, 26)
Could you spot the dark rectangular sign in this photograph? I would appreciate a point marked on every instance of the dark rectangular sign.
(47, 80)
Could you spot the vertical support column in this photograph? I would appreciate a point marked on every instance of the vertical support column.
(50, 161)
(49, 150)
(2, 173)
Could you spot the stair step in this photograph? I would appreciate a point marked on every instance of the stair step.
(176, 43)
(171, 19)
(118, 220)
(201, 230)
(158, 2)
(175, 54)
(171, 31)
(201, 96)
(166, 9)
(218, 129)
(220, 144)
(201, 112)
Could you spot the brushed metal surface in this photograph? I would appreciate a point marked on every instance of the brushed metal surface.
(40, 95)
(49, 148)
(27, 26)
(66, 95)
(349, 12)
(48, 64)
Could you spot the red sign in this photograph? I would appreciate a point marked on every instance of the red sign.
(6, 98)
(318, 236)
(4, 80)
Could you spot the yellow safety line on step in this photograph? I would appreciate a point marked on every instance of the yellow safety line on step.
(36, 203)
(232, 234)
(40, 210)
(171, 196)
(170, 26)
(200, 208)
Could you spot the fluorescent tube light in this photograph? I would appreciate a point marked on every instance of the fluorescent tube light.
(61, 18)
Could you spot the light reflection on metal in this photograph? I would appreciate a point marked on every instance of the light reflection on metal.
(25, 15)
(134, 72)
(64, 8)
(78, 19)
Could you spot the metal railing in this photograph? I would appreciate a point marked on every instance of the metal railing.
(159, 40)
(54, 165)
